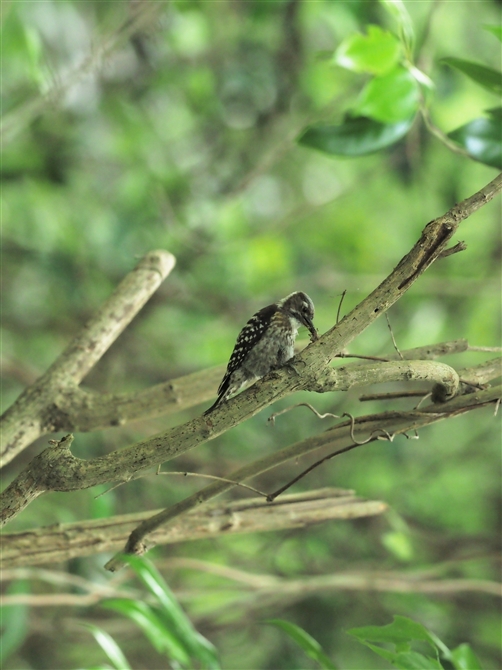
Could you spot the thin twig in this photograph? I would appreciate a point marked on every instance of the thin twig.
(427, 395)
(272, 496)
(352, 426)
(215, 478)
(444, 139)
(273, 416)
(344, 292)
(460, 246)
(393, 338)
(473, 385)
(344, 354)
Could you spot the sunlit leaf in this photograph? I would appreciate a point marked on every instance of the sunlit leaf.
(164, 640)
(495, 30)
(482, 139)
(376, 52)
(391, 98)
(172, 613)
(482, 75)
(110, 647)
(464, 658)
(399, 544)
(354, 137)
(309, 644)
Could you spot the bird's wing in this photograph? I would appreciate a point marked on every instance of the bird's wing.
(249, 336)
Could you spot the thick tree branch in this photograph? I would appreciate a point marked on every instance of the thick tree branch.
(64, 541)
(36, 411)
(84, 411)
(346, 377)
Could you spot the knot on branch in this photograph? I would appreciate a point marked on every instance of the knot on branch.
(55, 419)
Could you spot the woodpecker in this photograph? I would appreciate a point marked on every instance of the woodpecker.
(266, 343)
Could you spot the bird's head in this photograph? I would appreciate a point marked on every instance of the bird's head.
(299, 306)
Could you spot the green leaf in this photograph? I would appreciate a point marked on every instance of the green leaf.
(14, 622)
(162, 639)
(309, 644)
(412, 660)
(109, 646)
(495, 30)
(356, 136)
(482, 75)
(384, 653)
(400, 632)
(464, 658)
(398, 11)
(391, 98)
(173, 615)
(482, 139)
(377, 52)
(495, 113)
(398, 543)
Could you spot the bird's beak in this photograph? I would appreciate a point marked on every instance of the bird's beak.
(312, 330)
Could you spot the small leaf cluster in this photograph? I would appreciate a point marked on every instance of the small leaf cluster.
(400, 634)
(397, 91)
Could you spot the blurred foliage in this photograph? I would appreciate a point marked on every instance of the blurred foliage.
(403, 634)
(165, 624)
(182, 135)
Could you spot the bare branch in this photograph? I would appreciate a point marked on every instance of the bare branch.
(36, 410)
(215, 478)
(90, 411)
(326, 415)
(460, 246)
(64, 541)
(344, 378)
(392, 336)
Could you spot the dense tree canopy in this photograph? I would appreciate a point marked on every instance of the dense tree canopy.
(269, 147)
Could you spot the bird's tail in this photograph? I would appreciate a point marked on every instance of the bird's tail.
(223, 392)
(214, 405)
